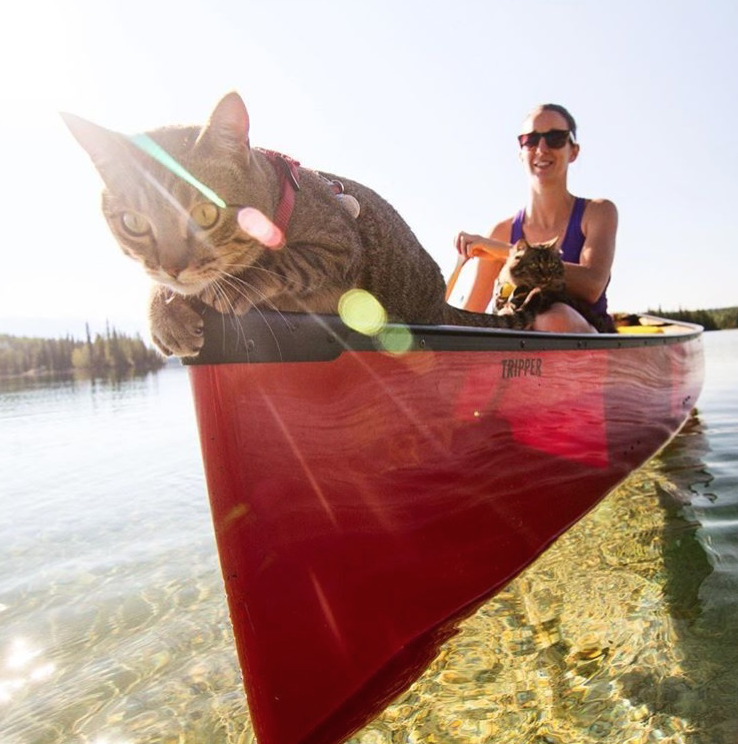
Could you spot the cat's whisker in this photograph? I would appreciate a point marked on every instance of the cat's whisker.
(227, 277)
(220, 292)
(232, 278)
(216, 290)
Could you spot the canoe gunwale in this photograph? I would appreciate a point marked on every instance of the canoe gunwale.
(269, 337)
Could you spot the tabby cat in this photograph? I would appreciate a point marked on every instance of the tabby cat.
(176, 205)
(532, 280)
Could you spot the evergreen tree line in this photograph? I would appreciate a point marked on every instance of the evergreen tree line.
(718, 319)
(113, 352)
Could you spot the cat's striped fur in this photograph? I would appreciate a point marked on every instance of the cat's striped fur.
(164, 223)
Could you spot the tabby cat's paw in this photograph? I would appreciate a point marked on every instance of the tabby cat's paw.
(176, 327)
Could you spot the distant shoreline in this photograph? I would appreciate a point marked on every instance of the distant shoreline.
(79, 372)
(715, 319)
(115, 354)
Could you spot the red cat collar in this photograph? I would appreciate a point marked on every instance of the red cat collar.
(289, 185)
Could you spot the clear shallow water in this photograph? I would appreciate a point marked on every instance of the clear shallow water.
(113, 622)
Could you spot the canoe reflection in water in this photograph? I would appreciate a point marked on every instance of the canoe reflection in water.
(364, 502)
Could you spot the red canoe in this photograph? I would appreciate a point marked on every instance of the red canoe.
(365, 502)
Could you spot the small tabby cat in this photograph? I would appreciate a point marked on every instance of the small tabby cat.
(532, 280)
(179, 216)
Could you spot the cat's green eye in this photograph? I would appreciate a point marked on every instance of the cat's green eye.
(135, 223)
(205, 214)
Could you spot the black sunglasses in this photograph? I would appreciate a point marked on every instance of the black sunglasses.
(555, 138)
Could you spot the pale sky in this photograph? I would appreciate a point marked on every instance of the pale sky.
(420, 100)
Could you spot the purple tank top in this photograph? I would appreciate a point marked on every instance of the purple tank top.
(571, 248)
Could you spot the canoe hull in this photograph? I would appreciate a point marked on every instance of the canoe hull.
(364, 502)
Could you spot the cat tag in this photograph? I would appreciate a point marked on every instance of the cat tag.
(349, 203)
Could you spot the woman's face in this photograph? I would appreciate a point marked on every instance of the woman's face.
(543, 162)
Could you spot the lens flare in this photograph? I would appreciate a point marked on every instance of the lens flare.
(362, 311)
(396, 339)
(158, 153)
(261, 228)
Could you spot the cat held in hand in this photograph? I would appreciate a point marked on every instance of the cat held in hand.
(216, 222)
(532, 281)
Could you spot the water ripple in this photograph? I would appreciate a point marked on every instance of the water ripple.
(114, 627)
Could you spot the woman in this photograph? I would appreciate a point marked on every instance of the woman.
(585, 227)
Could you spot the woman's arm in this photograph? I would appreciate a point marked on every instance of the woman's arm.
(486, 269)
(587, 279)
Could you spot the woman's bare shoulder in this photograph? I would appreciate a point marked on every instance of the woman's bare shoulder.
(600, 214)
(601, 208)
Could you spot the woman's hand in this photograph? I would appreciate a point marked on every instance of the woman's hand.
(495, 251)
(465, 242)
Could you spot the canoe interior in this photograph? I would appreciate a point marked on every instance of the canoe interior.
(364, 502)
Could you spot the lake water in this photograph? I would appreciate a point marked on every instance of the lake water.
(114, 627)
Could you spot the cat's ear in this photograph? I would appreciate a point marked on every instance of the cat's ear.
(102, 145)
(550, 244)
(228, 126)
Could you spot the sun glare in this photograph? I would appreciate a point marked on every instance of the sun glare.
(21, 667)
(39, 48)
(58, 57)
